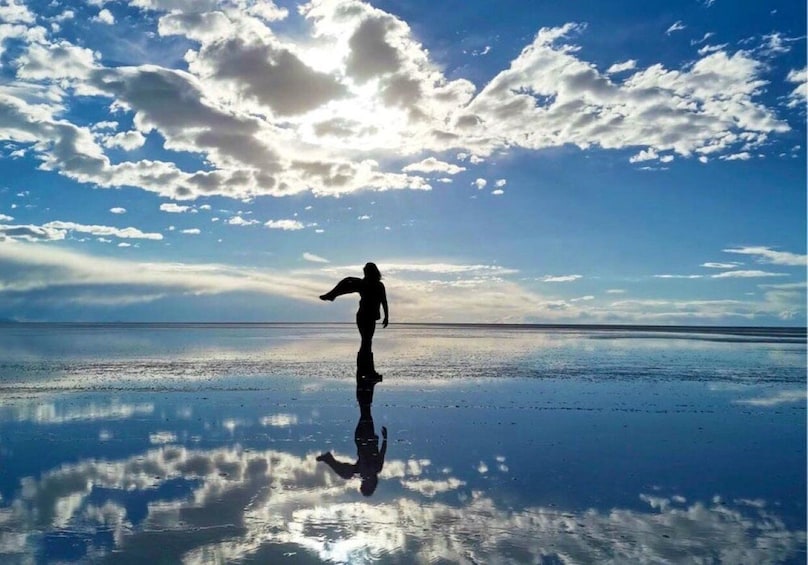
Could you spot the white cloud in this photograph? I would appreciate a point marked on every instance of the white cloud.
(4, 218)
(286, 225)
(127, 140)
(561, 278)
(615, 291)
(765, 254)
(676, 26)
(58, 230)
(433, 165)
(118, 210)
(173, 208)
(105, 17)
(480, 183)
(363, 217)
(644, 155)
(279, 420)
(498, 192)
(629, 65)
(741, 274)
(191, 231)
(797, 98)
(500, 183)
(314, 258)
(239, 221)
(282, 116)
(668, 276)
(716, 265)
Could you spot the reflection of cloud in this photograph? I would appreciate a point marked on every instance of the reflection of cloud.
(780, 397)
(257, 504)
(50, 413)
(279, 420)
(162, 437)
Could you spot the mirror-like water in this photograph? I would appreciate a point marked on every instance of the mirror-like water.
(200, 444)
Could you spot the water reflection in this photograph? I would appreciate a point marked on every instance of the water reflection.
(369, 458)
(174, 504)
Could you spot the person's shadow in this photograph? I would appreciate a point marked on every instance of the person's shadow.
(369, 458)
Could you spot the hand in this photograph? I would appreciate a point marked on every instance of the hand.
(384, 322)
(384, 432)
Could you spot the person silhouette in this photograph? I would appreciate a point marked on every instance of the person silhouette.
(369, 458)
(372, 295)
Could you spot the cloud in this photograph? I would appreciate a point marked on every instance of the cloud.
(666, 276)
(714, 265)
(629, 65)
(286, 225)
(764, 254)
(740, 274)
(780, 397)
(676, 26)
(432, 165)
(498, 192)
(561, 278)
(314, 258)
(5, 218)
(173, 208)
(58, 230)
(269, 113)
(105, 17)
(191, 231)
(116, 210)
(237, 220)
(480, 183)
(797, 98)
(274, 501)
(127, 140)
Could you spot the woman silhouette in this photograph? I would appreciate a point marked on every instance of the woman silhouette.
(371, 296)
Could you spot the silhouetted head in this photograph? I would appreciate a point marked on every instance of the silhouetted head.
(369, 485)
(372, 272)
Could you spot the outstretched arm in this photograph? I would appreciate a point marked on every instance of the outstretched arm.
(383, 450)
(345, 286)
(384, 307)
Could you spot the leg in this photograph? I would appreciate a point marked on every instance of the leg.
(364, 360)
(345, 286)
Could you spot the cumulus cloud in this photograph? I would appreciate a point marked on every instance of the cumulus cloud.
(480, 183)
(237, 220)
(432, 165)
(118, 210)
(286, 225)
(127, 140)
(105, 17)
(797, 98)
(329, 108)
(173, 208)
(629, 65)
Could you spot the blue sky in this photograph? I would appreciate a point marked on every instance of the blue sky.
(509, 161)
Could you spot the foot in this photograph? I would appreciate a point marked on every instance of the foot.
(327, 296)
(375, 377)
(324, 456)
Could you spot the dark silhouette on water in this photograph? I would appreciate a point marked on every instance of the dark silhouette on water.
(372, 295)
(369, 458)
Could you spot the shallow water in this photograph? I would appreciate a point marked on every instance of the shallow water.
(198, 444)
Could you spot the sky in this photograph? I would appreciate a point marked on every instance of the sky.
(501, 161)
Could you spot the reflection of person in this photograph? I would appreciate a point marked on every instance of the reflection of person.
(370, 459)
(372, 295)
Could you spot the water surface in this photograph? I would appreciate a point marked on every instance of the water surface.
(198, 444)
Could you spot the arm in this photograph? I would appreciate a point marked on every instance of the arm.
(384, 307)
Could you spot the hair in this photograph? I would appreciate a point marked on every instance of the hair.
(369, 484)
(372, 272)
